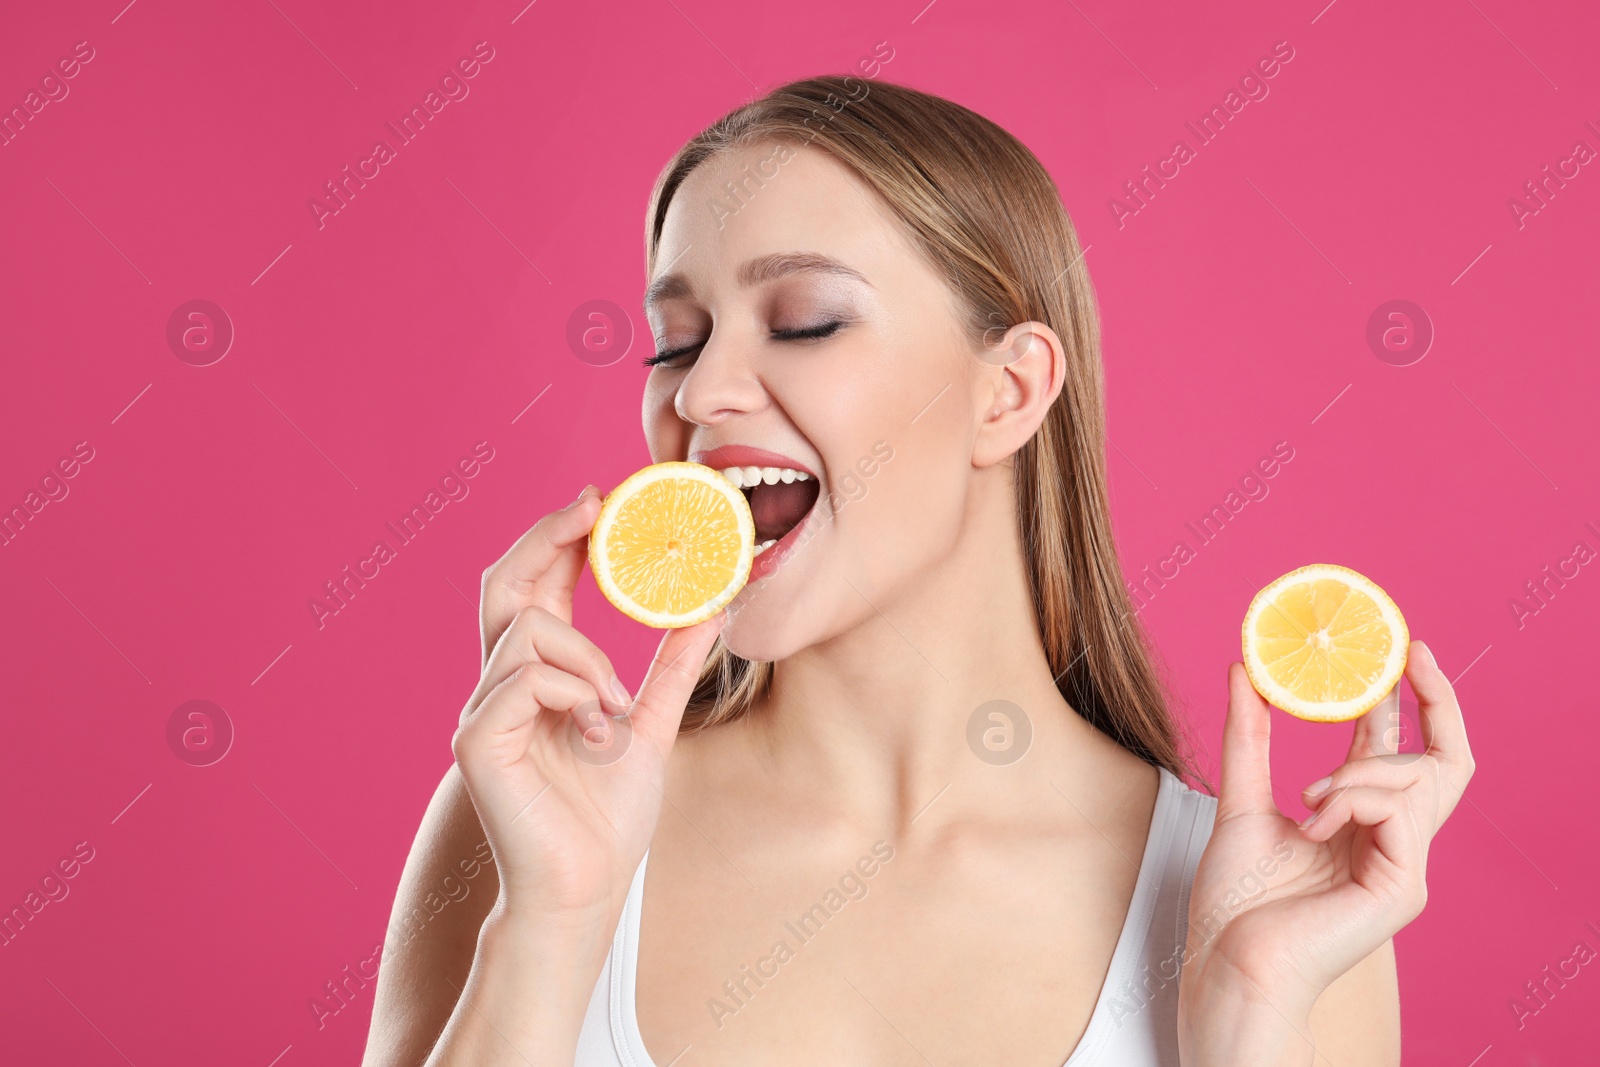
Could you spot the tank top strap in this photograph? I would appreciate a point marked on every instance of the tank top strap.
(1135, 1021)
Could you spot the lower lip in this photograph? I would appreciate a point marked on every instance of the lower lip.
(767, 564)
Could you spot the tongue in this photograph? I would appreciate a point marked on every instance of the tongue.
(778, 508)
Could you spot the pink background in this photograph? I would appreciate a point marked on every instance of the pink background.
(373, 353)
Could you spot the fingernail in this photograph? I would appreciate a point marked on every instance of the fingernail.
(1316, 788)
(619, 692)
(596, 735)
(1310, 819)
(578, 501)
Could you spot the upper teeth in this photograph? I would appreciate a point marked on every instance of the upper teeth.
(744, 477)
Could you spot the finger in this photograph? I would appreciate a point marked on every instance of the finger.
(1442, 723)
(536, 635)
(1386, 812)
(1382, 772)
(658, 709)
(1246, 770)
(541, 569)
(500, 729)
(1378, 732)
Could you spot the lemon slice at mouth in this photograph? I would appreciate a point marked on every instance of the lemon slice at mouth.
(673, 544)
(1324, 643)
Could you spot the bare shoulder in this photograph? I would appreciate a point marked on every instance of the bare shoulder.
(1357, 1018)
(445, 892)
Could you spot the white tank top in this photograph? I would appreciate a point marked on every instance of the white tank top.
(1135, 1018)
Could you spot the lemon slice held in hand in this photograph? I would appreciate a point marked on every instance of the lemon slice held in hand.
(673, 544)
(1324, 643)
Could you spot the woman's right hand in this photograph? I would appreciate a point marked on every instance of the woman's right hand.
(569, 817)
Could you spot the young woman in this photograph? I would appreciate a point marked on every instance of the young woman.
(916, 797)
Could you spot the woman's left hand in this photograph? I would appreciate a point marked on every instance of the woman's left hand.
(1279, 910)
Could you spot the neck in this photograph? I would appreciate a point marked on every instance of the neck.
(877, 721)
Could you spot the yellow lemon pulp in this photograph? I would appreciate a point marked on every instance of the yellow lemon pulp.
(673, 544)
(1324, 643)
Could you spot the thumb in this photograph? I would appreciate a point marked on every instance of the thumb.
(1246, 770)
(658, 709)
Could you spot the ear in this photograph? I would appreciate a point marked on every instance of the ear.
(1019, 378)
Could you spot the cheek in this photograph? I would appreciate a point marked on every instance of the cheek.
(891, 420)
(666, 435)
(908, 511)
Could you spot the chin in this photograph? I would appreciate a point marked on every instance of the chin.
(762, 630)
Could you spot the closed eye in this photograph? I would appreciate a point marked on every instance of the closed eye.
(671, 353)
(807, 333)
(825, 329)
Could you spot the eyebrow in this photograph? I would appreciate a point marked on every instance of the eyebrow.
(755, 272)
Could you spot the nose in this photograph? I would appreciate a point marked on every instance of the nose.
(721, 384)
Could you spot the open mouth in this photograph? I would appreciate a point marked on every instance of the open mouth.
(780, 498)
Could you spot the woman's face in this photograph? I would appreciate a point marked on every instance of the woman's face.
(807, 327)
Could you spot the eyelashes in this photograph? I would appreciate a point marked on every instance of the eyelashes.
(806, 333)
(662, 357)
(825, 329)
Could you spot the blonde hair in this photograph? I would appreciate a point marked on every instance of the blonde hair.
(986, 213)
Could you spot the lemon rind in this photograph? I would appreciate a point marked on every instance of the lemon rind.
(1331, 711)
(612, 504)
